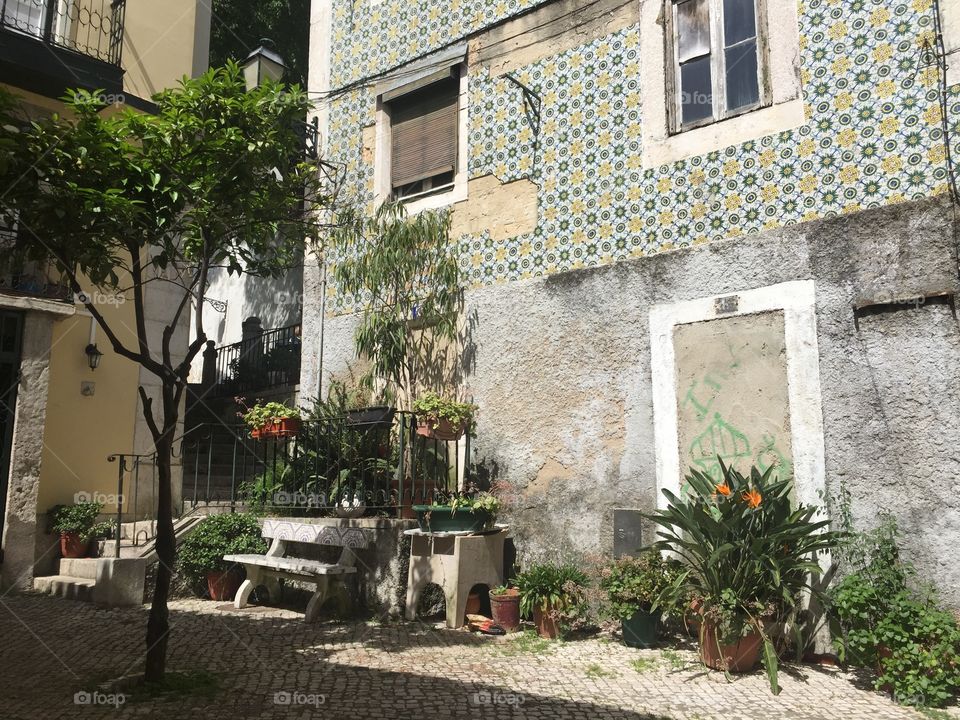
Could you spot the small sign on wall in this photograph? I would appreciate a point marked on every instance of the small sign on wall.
(726, 304)
(627, 532)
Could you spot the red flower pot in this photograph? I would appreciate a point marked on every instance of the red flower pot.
(473, 604)
(444, 430)
(505, 609)
(739, 657)
(223, 586)
(283, 428)
(72, 545)
(547, 625)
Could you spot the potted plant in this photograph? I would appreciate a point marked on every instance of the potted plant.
(201, 555)
(749, 555)
(271, 420)
(505, 607)
(441, 418)
(633, 587)
(77, 525)
(553, 594)
(465, 512)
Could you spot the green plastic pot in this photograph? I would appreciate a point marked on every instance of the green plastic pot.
(441, 518)
(640, 629)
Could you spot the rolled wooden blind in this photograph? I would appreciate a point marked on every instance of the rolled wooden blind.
(424, 133)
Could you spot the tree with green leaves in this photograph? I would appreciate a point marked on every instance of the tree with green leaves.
(405, 275)
(216, 178)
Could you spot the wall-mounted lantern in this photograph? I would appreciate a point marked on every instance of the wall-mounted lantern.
(93, 356)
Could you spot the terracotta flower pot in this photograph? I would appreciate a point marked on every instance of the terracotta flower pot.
(283, 428)
(72, 545)
(223, 586)
(505, 609)
(444, 430)
(547, 625)
(473, 604)
(739, 657)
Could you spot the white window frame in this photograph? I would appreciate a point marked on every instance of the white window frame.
(717, 66)
(383, 185)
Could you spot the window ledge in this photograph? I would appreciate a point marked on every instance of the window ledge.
(715, 136)
(441, 200)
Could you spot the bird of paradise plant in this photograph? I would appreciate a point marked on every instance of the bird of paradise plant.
(749, 553)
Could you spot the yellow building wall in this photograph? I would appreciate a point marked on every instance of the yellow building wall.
(81, 431)
(162, 42)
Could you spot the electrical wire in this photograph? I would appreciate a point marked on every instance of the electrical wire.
(395, 72)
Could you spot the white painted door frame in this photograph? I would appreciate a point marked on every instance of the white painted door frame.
(797, 301)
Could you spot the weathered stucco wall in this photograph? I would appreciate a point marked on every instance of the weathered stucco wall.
(561, 371)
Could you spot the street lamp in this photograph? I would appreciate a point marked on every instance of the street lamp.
(262, 64)
(265, 63)
(93, 356)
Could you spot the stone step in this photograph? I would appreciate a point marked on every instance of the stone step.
(72, 588)
(85, 568)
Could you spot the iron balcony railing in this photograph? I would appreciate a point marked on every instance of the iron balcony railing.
(91, 27)
(265, 361)
(330, 467)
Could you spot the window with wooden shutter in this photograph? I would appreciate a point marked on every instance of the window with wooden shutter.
(718, 57)
(424, 146)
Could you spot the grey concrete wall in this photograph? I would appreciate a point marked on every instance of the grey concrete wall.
(561, 372)
(25, 546)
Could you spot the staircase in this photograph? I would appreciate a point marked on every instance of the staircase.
(123, 577)
(75, 581)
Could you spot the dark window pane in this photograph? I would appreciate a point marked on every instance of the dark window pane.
(696, 90)
(739, 21)
(693, 29)
(742, 85)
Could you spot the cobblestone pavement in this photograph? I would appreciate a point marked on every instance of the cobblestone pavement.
(269, 664)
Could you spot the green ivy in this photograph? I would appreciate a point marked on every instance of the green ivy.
(881, 621)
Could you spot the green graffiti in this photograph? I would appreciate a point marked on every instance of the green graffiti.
(719, 439)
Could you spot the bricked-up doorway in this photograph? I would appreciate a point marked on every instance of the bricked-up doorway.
(11, 338)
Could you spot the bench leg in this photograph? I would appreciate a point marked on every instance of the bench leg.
(316, 602)
(247, 587)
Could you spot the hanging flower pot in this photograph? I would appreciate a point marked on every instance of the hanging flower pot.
(441, 429)
(281, 428)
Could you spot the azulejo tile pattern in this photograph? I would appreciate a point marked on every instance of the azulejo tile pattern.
(873, 135)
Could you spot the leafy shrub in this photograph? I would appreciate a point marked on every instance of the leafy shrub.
(260, 415)
(433, 408)
(632, 584)
(80, 518)
(884, 623)
(555, 588)
(216, 536)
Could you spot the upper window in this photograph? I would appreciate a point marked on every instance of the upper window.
(718, 51)
(424, 138)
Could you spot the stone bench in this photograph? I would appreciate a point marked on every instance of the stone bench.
(277, 563)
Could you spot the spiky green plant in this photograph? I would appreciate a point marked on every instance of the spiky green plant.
(749, 553)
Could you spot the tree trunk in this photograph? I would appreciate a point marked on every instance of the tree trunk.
(158, 625)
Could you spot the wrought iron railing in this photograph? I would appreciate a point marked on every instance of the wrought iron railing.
(36, 281)
(90, 27)
(265, 361)
(332, 466)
